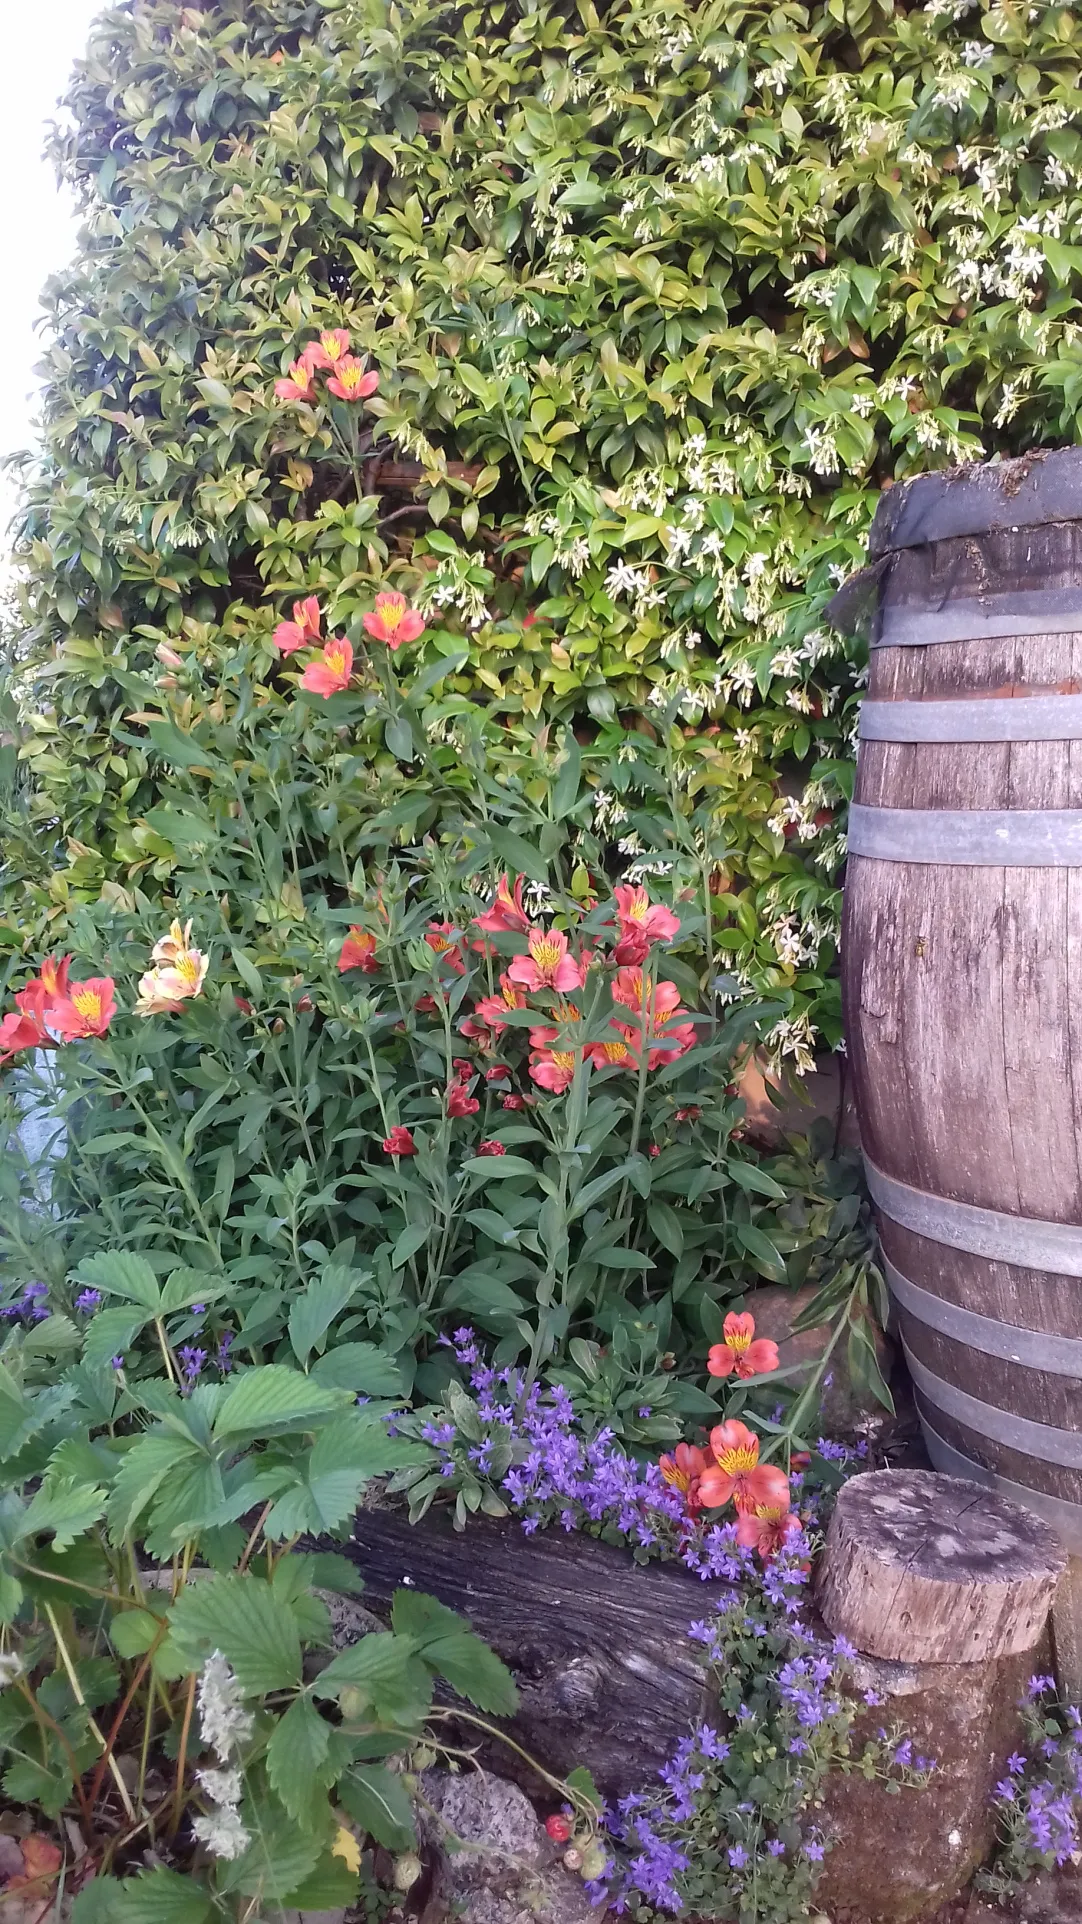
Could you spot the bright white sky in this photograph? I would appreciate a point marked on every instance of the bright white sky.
(37, 227)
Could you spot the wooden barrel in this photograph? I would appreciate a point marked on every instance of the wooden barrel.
(962, 962)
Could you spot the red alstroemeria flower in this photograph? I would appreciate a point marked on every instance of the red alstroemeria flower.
(463, 1069)
(400, 1142)
(332, 672)
(736, 1472)
(548, 964)
(358, 952)
(304, 629)
(87, 1009)
(554, 1069)
(329, 348)
(682, 1471)
(393, 621)
(478, 1032)
(492, 1009)
(742, 1350)
(439, 935)
(766, 1529)
(298, 385)
(491, 1147)
(459, 1102)
(513, 1102)
(19, 1032)
(349, 382)
(505, 915)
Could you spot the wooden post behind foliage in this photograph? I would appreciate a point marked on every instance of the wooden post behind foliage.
(925, 1568)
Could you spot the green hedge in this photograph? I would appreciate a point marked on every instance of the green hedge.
(679, 289)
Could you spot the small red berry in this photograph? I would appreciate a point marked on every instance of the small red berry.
(558, 1828)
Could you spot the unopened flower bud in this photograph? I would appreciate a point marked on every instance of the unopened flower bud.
(407, 1869)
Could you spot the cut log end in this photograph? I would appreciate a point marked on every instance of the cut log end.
(924, 1568)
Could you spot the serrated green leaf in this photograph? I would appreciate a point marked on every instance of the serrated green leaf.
(67, 1508)
(297, 1761)
(272, 1400)
(121, 1273)
(312, 1313)
(241, 1617)
(383, 1670)
(377, 1800)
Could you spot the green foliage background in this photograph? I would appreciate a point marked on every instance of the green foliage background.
(679, 287)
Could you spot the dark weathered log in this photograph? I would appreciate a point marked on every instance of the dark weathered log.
(961, 952)
(923, 1568)
(598, 1644)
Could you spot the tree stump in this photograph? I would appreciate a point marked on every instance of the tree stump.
(924, 1568)
(945, 1589)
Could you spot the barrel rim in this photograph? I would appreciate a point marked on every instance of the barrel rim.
(1045, 485)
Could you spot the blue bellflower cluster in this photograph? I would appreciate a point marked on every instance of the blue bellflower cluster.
(1040, 1798)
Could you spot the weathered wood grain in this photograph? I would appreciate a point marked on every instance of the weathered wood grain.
(963, 1016)
(923, 1568)
(598, 1644)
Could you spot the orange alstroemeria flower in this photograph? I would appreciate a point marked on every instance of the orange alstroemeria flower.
(298, 385)
(505, 914)
(328, 349)
(444, 940)
(543, 1037)
(547, 964)
(87, 1010)
(737, 1473)
(616, 1053)
(492, 1009)
(642, 923)
(554, 1069)
(741, 1350)
(682, 1471)
(358, 952)
(350, 382)
(303, 631)
(393, 621)
(332, 672)
(54, 976)
(666, 1034)
(766, 1529)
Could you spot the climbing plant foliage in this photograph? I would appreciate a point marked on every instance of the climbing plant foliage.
(660, 297)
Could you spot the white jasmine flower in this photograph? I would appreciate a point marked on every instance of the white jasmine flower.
(976, 53)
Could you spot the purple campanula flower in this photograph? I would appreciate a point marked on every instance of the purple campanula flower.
(88, 1301)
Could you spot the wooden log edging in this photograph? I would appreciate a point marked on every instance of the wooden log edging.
(597, 1643)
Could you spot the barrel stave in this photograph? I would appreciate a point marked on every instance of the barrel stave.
(961, 978)
(1032, 1299)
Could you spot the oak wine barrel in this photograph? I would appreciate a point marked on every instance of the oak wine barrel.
(962, 961)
